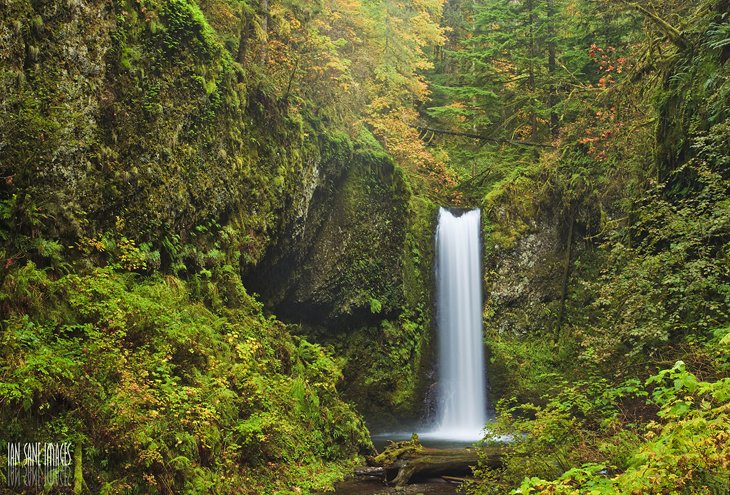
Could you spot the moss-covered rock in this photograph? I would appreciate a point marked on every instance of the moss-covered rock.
(528, 240)
(353, 266)
(339, 259)
(136, 111)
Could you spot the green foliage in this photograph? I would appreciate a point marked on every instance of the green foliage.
(663, 289)
(375, 306)
(521, 71)
(683, 451)
(673, 283)
(384, 366)
(170, 136)
(152, 150)
(638, 238)
(162, 391)
(119, 252)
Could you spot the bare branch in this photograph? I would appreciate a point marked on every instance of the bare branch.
(482, 138)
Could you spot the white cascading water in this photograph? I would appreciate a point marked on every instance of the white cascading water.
(462, 404)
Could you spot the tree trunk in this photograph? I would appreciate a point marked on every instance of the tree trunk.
(674, 34)
(265, 16)
(387, 32)
(552, 96)
(78, 470)
(480, 137)
(566, 276)
(264, 27)
(243, 37)
(531, 78)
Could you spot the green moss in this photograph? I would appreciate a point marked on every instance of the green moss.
(509, 204)
(174, 137)
(386, 365)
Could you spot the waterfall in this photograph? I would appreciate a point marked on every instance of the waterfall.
(462, 401)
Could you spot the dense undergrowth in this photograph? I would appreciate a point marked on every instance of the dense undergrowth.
(170, 385)
(631, 396)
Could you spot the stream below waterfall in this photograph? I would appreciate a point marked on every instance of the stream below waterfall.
(375, 487)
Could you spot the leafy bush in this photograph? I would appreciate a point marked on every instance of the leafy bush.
(667, 279)
(684, 451)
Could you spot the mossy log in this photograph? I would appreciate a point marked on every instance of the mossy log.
(403, 461)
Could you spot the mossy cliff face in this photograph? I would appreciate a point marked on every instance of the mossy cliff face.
(528, 241)
(137, 112)
(354, 269)
(342, 250)
(523, 274)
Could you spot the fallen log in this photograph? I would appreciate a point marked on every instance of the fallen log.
(429, 464)
(403, 461)
(371, 471)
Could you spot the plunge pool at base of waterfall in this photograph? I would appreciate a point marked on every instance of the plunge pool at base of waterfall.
(381, 440)
(431, 439)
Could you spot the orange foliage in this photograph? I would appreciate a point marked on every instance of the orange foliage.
(404, 143)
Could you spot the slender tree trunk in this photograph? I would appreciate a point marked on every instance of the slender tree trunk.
(291, 80)
(264, 27)
(386, 48)
(566, 276)
(265, 16)
(721, 7)
(480, 137)
(531, 76)
(243, 39)
(553, 96)
(78, 469)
